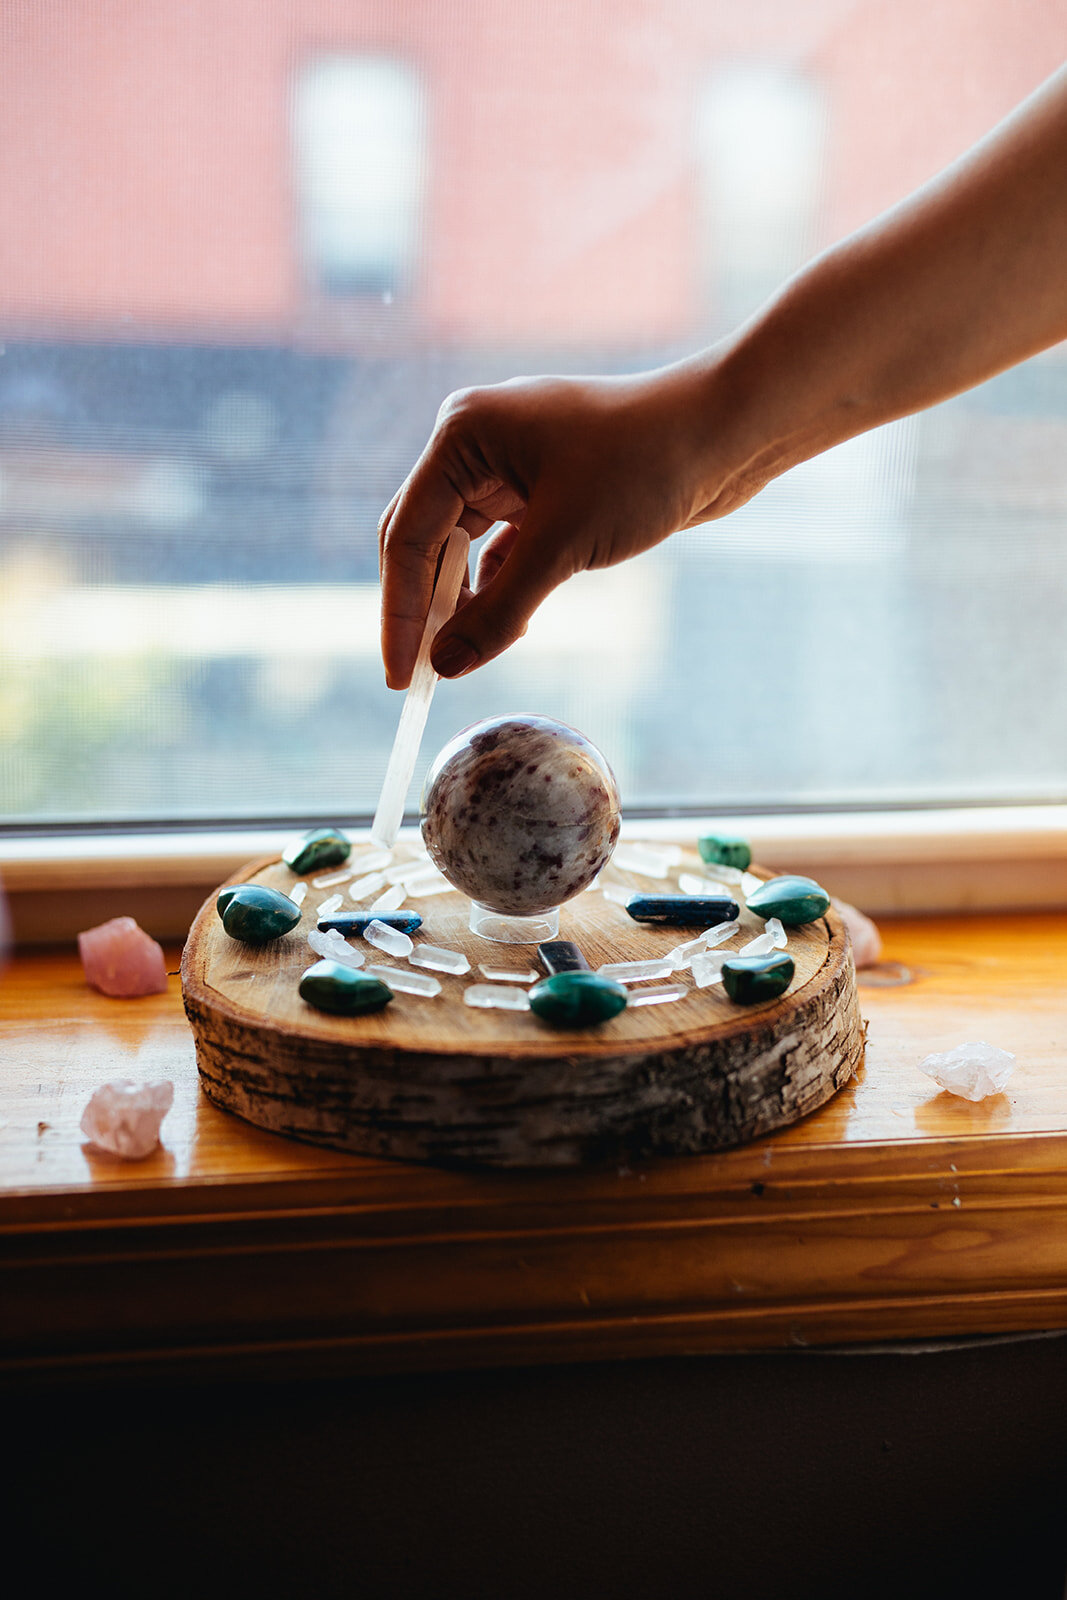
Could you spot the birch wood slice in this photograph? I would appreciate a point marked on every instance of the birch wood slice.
(435, 1080)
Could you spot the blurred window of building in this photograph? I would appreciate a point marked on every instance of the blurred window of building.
(358, 131)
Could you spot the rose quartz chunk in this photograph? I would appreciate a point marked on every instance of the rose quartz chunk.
(121, 959)
(124, 1117)
(866, 940)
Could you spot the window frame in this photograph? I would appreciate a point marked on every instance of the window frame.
(925, 860)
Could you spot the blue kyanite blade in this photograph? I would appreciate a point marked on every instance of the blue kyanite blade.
(355, 922)
(682, 910)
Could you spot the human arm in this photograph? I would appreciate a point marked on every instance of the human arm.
(962, 279)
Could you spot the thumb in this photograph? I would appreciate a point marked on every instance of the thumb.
(529, 563)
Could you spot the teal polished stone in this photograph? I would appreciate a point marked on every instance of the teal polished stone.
(792, 899)
(322, 847)
(577, 999)
(329, 986)
(226, 895)
(255, 914)
(725, 850)
(749, 979)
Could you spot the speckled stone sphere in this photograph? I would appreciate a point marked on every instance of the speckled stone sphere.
(520, 813)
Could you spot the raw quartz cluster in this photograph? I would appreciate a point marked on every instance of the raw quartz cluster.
(972, 1070)
(124, 1117)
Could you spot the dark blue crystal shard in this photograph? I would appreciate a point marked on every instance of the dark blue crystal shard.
(355, 922)
(682, 910)
(560, 955)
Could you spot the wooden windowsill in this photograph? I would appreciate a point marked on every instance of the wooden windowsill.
(894, 1212)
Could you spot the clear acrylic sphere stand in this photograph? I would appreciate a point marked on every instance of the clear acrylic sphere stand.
(504, 929)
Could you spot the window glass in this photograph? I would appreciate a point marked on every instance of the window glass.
(238, 277)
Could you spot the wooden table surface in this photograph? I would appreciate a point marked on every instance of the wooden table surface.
(895, 1211)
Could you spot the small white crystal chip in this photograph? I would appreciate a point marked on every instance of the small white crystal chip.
(439, 960)
(391, 900)
(123, 1117)
(972, 1070)
(761, 945)
(777, 931)
(707, 968)
(405, 982)
(391, 940)
(496, 997)
(635, 971)
(507, 974)
(658, 996)
(335, 947)
(330, 904)
(370, 883)
(297, 893)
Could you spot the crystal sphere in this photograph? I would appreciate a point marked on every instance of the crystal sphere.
(520, 813)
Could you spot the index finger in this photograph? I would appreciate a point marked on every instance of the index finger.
(413, 535)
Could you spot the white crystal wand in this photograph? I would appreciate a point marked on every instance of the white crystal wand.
(416, 707)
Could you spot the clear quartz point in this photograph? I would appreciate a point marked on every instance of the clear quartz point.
(372, 860)
(618, 893)
(297, 893)
(636, 971)
(406, 872)
(496, 997)
(335, 947)
(707, 967)
(391, 940)
(370, 883)
(330, 904)
(646, 859)
(659, 996)
(682, 954)
(332, 879)
(404, 981)
(431, 882)
(391, 900)
(749, 883)
(694, 883)
(720, 933)
(761, 945)
(777, 932)
(438, 959)
(507, 974)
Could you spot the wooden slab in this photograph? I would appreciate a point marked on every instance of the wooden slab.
(435, 1080)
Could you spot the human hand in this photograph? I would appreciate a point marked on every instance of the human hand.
(581, 472)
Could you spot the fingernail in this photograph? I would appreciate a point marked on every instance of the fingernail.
(453, 657)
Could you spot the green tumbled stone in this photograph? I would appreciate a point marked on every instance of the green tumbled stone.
(255, 914)
(748, 979)
(322, 847)
(226, 895)
(725, 850)
(577, 999)
(792, 899)
(329, 986)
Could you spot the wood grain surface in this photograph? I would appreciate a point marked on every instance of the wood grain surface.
(434, 1079)
(895, 1211)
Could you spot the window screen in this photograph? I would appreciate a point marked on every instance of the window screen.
(239, 273)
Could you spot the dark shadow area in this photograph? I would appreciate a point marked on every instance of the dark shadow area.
(937, 1474)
